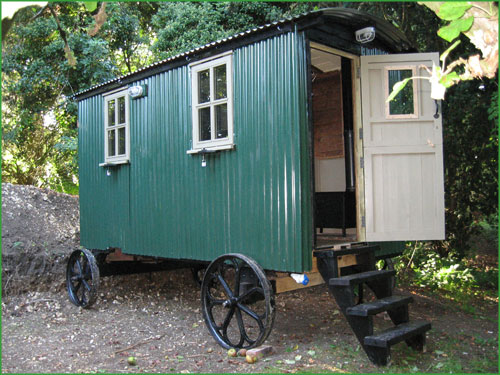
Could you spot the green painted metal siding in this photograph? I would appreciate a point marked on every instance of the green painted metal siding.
(104, 201)
(255, 199)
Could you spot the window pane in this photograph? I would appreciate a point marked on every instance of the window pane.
(204, 118)
(403, 102)
(111, 112)
(203, 86)
(111, 143)
(121, 110)
(220, 82)
(221, 121)
(121, 141)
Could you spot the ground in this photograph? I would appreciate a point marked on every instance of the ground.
(156, 317)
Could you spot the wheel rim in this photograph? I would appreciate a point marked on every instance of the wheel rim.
(237, 302)
(82, 278)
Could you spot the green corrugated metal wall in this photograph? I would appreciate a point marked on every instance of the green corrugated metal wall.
(254, 199)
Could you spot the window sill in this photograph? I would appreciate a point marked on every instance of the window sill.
(210, 149)
(114, 163)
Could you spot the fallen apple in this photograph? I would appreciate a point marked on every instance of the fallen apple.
(132, 361)
(251, 359)
(232, 352)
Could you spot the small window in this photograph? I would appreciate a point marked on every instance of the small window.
(116, 128)
(212, 103)
(405, 104)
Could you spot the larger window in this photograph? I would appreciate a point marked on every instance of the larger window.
(116, 129)
(212, 103)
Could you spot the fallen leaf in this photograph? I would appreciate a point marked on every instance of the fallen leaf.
(289, 362)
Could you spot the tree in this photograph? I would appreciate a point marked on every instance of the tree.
(37, 78)
(182, 26)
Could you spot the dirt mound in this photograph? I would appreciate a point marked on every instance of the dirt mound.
(40, 228)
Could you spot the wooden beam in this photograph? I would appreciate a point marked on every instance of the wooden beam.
(286, 284)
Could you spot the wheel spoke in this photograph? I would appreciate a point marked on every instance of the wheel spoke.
(86, 285)
(77, 287)
(243, 334)
(225, 286)
(252, 314)
(214, 301)
(250, 292)
(227, 320)
(79, 266)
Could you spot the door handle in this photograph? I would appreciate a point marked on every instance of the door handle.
(436, 115)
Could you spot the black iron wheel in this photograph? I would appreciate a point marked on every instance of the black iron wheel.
(82, 278)
(237, 302)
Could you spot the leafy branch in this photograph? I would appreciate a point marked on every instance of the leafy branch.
(480, 26)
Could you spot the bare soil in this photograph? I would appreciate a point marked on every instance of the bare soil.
(156, 317)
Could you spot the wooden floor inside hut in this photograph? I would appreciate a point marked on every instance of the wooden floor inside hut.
(334, 237)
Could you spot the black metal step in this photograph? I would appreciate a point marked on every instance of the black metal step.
(397, 334)
(378, 306)
(362, 277)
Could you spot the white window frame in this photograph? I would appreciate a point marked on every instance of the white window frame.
(388, 90)
(213, 143)
(117, 158)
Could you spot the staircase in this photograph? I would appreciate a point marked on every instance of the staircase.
(347, 271)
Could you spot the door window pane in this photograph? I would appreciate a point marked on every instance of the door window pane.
(403, 103)
(111, 113)
(205, 129)
(221, 121)
(121, 110)
(220, 82)
(121, 141)
(204, 86)
(111, 143)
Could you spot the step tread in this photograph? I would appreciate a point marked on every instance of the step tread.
(397, 334)
(362, 277)
(378, 306)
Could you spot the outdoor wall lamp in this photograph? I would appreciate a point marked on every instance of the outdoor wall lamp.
(365, 35)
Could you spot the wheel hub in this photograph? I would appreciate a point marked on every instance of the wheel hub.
(230, 302)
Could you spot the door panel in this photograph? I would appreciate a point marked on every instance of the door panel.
(403, 156)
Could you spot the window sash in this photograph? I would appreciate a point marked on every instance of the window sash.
(213, 103)
(120, 149)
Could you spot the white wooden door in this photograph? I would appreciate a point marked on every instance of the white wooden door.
(403, 151)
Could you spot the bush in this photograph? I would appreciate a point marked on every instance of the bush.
(451, 274)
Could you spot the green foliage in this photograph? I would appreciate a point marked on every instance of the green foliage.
(187, 25)
(456, 276)
(129, 43)
(453, 10)
(452, 31)
(90, 5)
(471, 161)
(488, 230)
(397, 88)
(37, 118)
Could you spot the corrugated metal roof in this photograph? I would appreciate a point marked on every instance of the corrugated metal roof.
(386, 33)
